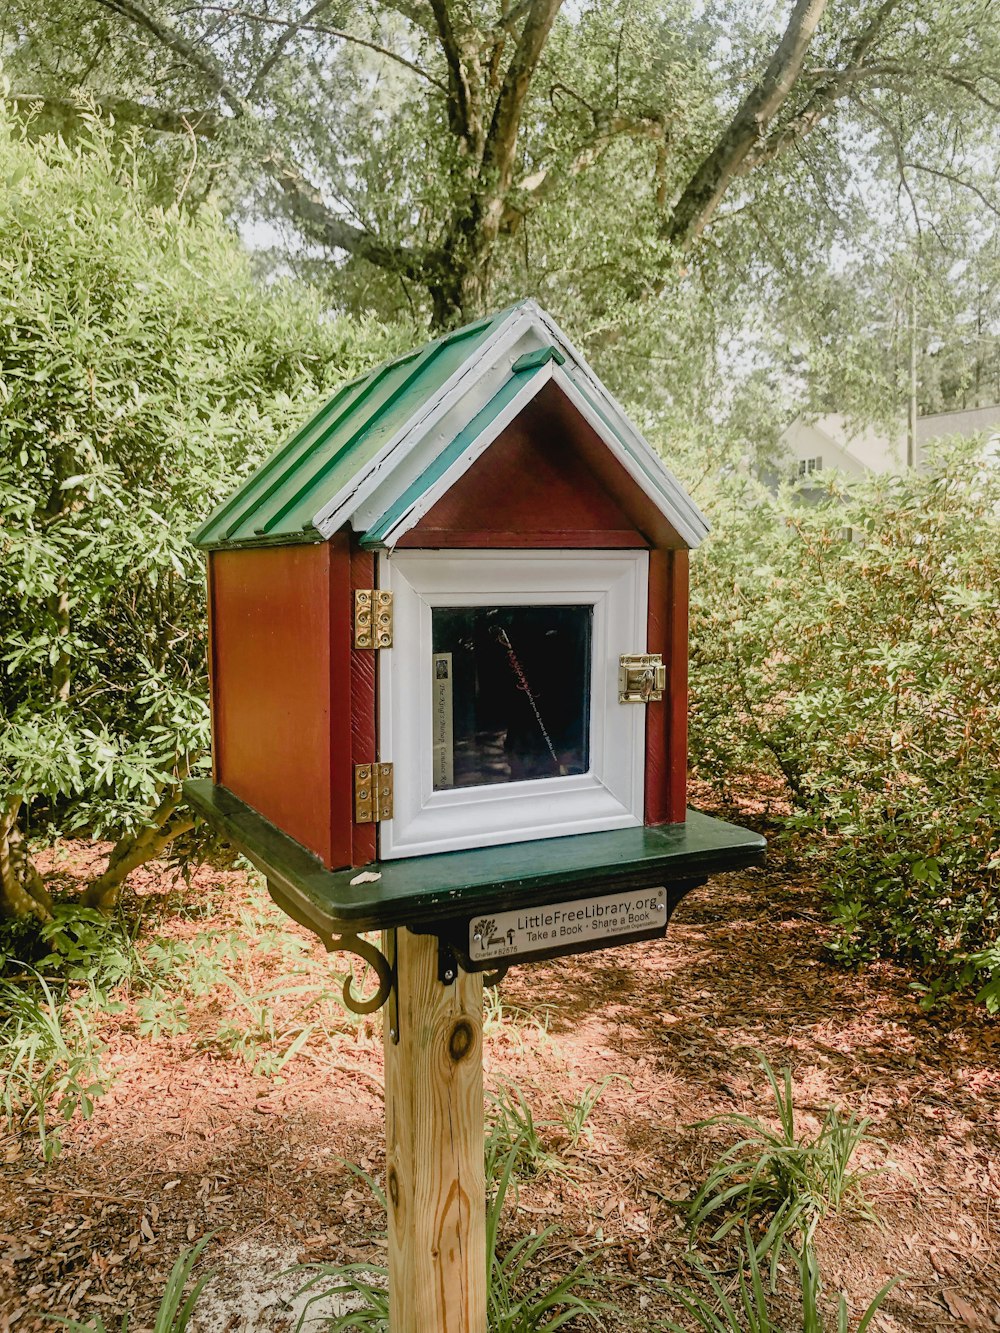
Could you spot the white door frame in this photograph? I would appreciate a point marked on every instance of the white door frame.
(609, 796)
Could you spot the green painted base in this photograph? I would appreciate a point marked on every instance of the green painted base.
(422, 891)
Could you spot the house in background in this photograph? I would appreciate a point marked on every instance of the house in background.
(831, 442)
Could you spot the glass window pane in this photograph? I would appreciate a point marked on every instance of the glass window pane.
(511, 693)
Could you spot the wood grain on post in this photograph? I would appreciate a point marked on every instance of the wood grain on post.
(434, 1147)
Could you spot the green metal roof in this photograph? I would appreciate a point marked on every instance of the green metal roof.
(278, 502)
(377, 443)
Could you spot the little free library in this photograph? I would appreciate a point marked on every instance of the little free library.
(448, 655)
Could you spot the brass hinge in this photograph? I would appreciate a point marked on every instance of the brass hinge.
(642, 678)
(372, 618)
(372, 793)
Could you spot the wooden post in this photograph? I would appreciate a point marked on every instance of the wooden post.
(435, 1186)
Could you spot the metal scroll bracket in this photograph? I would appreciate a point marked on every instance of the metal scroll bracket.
(387, 992)
(350, 942)
(392, 1012)
(384, 969)
(382, 964)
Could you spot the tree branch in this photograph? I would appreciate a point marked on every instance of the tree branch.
(278, 50)
(501, 139)
(704, 191)
(304, 203)
(899, 154)
(134, 850)
(462, 117)
(22, 892)
(835, 85)
(189, 50)
(412, 14)
(164, 120)
(895, 74)
(302, 200)
(508, 22)
(954, 179)
(295, 26)
(532, 189)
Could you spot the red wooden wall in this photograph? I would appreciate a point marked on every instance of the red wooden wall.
(364, 707)
(666, 722)
(281, 661)
(526, 491)
(548, 480)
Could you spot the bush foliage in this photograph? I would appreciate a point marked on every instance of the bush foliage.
(143, 371)
(848, 641)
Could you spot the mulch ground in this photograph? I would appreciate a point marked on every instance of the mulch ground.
(190, 1140)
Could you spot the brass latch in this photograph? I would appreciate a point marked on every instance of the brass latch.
(642, 678)
(372, 618)
(372, 793)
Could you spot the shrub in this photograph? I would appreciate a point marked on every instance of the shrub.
(49, 1062)
(850, 645)
(143, 372)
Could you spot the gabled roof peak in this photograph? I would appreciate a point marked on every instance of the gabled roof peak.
(391, 441)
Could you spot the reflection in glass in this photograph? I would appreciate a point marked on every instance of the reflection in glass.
(511, 693)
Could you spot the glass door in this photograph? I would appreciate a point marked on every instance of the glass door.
(499, 701)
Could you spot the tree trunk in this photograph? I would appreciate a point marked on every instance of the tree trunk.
(59, 610)
(458, 277)
(134, 850)
(22, 893)
(459, 299)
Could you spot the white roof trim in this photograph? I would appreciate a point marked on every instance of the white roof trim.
(698, 520)
(677, 508)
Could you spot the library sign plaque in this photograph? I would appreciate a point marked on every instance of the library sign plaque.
(518, 934)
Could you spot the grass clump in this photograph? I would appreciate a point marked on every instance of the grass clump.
(56, 977)
(789, 1180)
(51, 1062)
(514, 1134)
(512, 1124)
(516, 1301)
(575, 1115)
(744, 1305)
